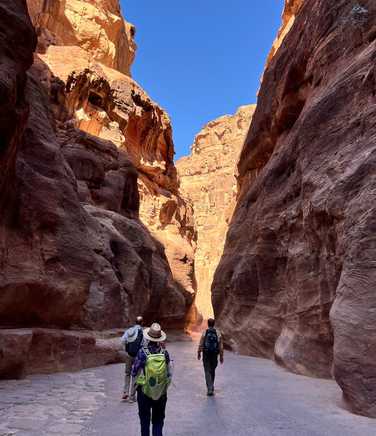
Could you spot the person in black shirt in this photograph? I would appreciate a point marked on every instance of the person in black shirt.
(211, 346)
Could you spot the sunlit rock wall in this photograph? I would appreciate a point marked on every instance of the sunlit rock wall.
(207, 178)
(97, 26)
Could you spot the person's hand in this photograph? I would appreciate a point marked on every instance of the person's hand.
(221, 360)
(199, 356)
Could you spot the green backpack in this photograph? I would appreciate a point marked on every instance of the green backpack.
(154, 380)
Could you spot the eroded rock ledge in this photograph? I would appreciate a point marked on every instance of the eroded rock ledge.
(296, 282)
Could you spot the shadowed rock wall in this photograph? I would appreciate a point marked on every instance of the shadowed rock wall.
(73, 251)
(108, 104)
(297, 278)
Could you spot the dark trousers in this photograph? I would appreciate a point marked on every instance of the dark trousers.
(151, 410)
(210, 364)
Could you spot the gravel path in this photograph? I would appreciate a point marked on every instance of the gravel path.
(254, 397)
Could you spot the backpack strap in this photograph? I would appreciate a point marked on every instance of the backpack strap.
(206, 335)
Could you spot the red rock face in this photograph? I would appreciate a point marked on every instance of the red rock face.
(28, 351)
(13, 108)
(79, 255)
(292, 8)
(73, 252)
(296, 282)
(107, 104)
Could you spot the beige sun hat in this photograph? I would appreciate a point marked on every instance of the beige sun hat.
(154, 333)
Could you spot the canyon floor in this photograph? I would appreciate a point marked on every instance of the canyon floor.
(254, 397)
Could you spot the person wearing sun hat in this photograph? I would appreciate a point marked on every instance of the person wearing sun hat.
(152, 371)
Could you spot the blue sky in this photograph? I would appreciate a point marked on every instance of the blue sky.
(200, 59)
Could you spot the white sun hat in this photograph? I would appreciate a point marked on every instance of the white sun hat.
(132, 334)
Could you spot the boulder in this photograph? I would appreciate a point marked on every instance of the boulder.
(44, 351)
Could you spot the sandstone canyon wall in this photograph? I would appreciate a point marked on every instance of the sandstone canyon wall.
(297, 279)
(291, 9)
(108, 104)
(77, 138)
(207, 178)
(95, 25)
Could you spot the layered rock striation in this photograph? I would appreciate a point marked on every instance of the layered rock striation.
(77, 137)
(207, 178)
(296, 281)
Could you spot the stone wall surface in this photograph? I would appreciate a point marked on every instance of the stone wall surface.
(297, 278)
(108, 104)
(207, 178)
(291, 9)
(77, 139)
(95, 25)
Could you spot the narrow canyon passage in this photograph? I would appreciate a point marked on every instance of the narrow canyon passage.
(207, 179)
(254, 397)
(268, 225)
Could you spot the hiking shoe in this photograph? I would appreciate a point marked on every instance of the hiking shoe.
(125, 397)
(210, 393)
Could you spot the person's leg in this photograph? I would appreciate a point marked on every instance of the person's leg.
(132, 384)
(213, 367)
(159, 413)
(208, 373)
(127, 375)
(144, 412)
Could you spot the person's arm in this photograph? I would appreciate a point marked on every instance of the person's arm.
(124, 338)
(170, 369)
(201, 346)
(139, 363)
(221, 352)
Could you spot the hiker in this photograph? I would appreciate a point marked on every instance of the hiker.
(211, 345)
(132, 339)
(152, 371)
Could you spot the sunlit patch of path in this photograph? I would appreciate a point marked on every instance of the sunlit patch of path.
(254, 397)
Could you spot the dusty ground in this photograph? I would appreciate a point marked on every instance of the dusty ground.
(254, 397)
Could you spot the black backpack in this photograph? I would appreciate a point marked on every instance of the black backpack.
(132, 347)
(211, 343)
